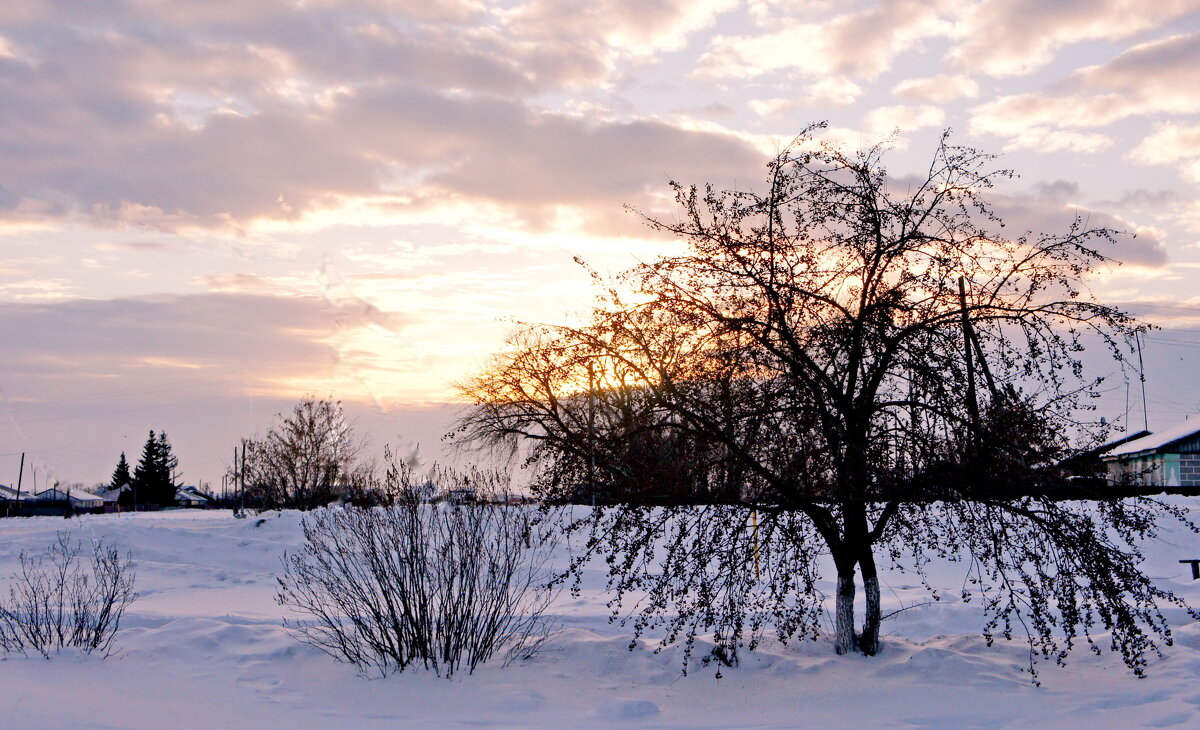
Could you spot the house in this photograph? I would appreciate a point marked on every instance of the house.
(12, 500)
(1168, 458)
(8, 494)
(112, 496)
(79, 498)
(191, 497)
(1090, 465)
(118, 499)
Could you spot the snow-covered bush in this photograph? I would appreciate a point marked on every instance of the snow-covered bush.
(416, 585)
(55, 602)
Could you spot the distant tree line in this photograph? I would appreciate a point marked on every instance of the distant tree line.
(314, 456)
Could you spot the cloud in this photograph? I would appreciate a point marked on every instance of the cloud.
(1157, 77)
(1010, 37)
(860, 44)
(1143, 198)
(936, 89)
(715, 110)
(137, 246)
(38, 288)
(771, 107)
(241, 283)
(222, 334)
(1054, 206)
(219, 115)
(634, 27)
(1048, 139)
(1171, 144)
(831, 91)
(235, 169)
(884, 120)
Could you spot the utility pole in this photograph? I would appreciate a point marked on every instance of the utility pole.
(239, 476)
(1142, 376)
(20, 476)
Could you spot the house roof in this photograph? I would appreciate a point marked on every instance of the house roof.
(1180, 431)
(77, 495)
(11, 494)
(1091, 457)
(112, 495)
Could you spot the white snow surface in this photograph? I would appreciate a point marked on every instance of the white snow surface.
(203, 648)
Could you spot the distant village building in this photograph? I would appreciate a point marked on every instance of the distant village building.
(8, 494)
(191, 497)
(112, 496)
(77, 497)
(1090, 466)
(1169, 458)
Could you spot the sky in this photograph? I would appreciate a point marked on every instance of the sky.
(210, 208)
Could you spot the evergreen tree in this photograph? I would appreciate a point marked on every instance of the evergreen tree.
(167, 464)
(121, 474)
(120, 477)
(144, 475)
(153, 477)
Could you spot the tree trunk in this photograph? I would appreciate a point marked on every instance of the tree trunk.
(868, 643)
(845, 642)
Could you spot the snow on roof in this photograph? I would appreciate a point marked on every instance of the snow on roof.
(1157, 440)
(77, 495)
(10, 493)
(112, 495)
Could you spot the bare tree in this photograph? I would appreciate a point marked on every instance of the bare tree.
(307, 460)
(839, 365)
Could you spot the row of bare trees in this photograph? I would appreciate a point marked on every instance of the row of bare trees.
(314, 456)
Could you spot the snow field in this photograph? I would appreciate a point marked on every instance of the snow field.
(203, 648)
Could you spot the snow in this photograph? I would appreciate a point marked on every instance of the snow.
(203, 648)
(1179, 431)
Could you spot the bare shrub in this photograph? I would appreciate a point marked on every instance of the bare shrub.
(420, 585)
(56, 602)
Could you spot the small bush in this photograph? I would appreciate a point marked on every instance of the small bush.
(418, 585)
(55, 602)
